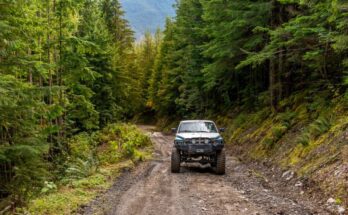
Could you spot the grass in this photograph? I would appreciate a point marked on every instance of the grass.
(70, 197)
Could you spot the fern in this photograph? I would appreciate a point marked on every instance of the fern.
(314, 130)
(304, 139)
(82, 168)
(319, 126)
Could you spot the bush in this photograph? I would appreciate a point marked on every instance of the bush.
(81, 146)
(118, 141)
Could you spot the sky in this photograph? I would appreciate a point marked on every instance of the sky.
(147, 15)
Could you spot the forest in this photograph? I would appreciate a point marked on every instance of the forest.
(71, 69)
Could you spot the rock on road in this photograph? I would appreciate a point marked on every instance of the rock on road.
(151, 189)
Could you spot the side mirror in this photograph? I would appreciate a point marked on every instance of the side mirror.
(174, 130)
(222, 129)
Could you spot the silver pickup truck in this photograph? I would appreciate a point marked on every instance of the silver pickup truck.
(198, 141)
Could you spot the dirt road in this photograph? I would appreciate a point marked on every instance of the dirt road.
(152, 189)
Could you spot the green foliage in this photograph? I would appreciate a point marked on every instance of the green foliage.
(278, 132)
(67, 199)
(250, 55)
(240, 120)
(69, 68)
(304, 139)
(274, 135)
(86, 174)
(318, 127)
(287, 118)
(82, 168)
(22, 143)
(121, 141)
(64, 73)
(48, 187)
(81, 146)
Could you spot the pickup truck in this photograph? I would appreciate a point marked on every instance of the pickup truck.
(198, 141)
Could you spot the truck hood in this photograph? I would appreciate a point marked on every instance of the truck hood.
(197, 135)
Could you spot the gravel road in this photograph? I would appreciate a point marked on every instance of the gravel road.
(151, 189)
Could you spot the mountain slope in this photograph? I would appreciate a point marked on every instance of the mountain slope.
(147, 14)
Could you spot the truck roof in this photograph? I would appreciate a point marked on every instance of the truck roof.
(196, 121)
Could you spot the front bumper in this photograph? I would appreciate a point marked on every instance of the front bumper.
(199, 149)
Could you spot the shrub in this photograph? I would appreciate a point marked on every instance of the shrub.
(121, 140)
(82, 168)
(81, 146)
(240, 120)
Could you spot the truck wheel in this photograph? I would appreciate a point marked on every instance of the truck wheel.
(220, 162)
(175, 163)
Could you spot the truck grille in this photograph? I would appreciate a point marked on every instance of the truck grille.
(198, 141)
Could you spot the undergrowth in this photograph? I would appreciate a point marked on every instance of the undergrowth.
(306, 134)
(94, 160)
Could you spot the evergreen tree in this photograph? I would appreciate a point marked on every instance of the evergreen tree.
(229, 26)
(168, 89)
(63, 70)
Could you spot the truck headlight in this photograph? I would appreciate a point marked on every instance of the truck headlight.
(179, 141)
(218, 141)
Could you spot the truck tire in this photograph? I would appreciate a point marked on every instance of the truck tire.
(175, 162)
(220, 162)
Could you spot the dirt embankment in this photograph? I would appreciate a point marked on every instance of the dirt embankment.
(318, 169)
(152, 189)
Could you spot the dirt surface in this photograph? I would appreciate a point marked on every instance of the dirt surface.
(151, 189)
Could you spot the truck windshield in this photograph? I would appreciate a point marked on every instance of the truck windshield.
(190, 127)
